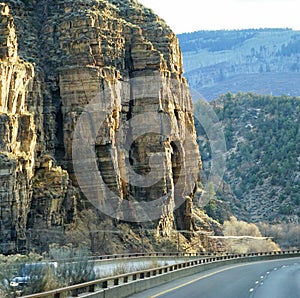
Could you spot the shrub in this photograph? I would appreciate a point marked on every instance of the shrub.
(74, 264)
(286, 235)
(233, 227)
(251, 242)
(10, 267)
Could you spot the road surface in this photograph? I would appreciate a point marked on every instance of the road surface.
(266, 279)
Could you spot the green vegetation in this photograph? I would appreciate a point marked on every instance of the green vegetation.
(212, 205)
(26, 1)
(263, 167)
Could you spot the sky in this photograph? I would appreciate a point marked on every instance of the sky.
(193, 15)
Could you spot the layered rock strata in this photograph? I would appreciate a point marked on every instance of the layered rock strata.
(57, 59)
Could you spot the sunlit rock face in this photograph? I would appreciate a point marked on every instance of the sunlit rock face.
(56, 58)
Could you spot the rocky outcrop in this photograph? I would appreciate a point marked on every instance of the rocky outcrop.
(57, 58)
(17, 135)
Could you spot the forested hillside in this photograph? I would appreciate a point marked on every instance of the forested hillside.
(262, 177)
(263, 61)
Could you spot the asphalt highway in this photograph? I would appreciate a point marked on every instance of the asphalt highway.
(266, 279)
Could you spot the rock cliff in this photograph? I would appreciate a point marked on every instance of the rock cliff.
(56, 58)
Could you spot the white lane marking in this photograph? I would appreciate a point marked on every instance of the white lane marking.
(211, 274)
(251, 290)
(257, 282)
(262, 276)
(268, 272)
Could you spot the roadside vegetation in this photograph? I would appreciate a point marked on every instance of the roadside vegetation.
(10, 267)
(243, 237)
(287, 235)
(24, 275)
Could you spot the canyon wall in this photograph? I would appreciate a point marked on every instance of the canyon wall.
(119, 63)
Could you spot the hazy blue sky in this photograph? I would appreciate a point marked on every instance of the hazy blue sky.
(192, 15)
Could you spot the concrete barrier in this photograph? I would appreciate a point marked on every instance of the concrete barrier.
(140, 285)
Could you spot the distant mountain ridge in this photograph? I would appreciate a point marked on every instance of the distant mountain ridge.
(263, 61)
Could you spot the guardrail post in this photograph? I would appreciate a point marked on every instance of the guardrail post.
(104, 284)
(91, 288)
(75, 293)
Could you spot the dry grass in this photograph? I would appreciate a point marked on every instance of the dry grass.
(253, 241)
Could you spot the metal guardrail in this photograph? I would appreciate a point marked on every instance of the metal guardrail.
(137, 255)
(151, 254)
(104, 283)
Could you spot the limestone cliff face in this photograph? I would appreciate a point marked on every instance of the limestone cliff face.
(56, 57)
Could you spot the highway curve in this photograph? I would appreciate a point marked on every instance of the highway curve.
(264, 279)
